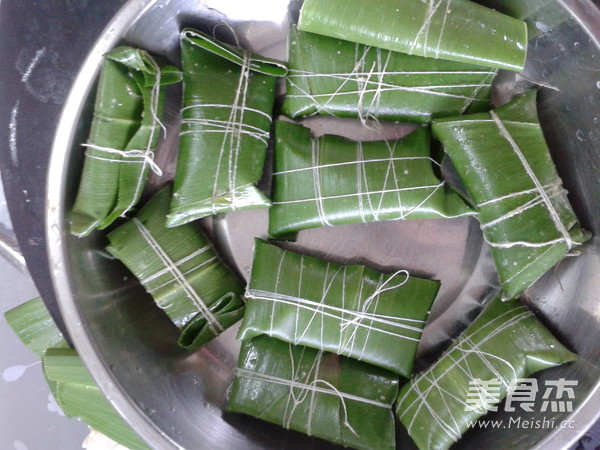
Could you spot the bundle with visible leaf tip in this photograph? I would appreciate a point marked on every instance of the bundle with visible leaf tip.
(124, 134)
(457, 30)
(321, 394)
(348, 310)
(70, 382)
(505, 344)
(339, 78)
(331, 180)
(504, 162)
(228, 97)
(182, 272)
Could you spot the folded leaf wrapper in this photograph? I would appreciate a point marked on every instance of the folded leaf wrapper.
(228, 98)
(504, 162)
(331, 180)
(348, 310)
(181, 270)
(320, 394)
(504, 344)
(70, 382)
(124, 134)
(339, 78)
(457, 30)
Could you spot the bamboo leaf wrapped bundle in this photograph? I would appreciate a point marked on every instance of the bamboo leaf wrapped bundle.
(457, 30)
(330, 180)
(317, 393)
(181, 270)
(371, 83)
(348, 310)
(504, 162)
(124, 134)
(504, 344)
(228, 98)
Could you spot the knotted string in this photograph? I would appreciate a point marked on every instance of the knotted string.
(374, 296)
(149, 153)
(378, 322)
(139, 156)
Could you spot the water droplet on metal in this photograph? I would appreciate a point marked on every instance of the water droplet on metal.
(13, 373)
(542, 27)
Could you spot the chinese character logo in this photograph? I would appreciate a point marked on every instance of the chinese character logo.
(522, 391)
(483, 395)
(562, 401)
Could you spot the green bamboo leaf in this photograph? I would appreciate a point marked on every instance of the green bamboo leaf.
(457, 30)
(63, 365)
(505, 343)
(180, 269)
(124, 133)
(228, 100)
(69, 380)
(320, 394)
(371, 83)
(89, 404)
(78, 396)
(34, 326)
(348, 310)
(331, 180)
(504, 162)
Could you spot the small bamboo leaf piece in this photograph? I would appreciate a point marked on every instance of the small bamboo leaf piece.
(228, 100)
(457, 30)
(69, 380)
(331, 180)
(181, 270)
(348, 310)
(78, 396)
(504, 162)
(504, 344)
(320, 394)
(124, 134)
(333, 77)
(34, 326)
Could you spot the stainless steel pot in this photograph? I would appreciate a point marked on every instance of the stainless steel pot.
(174, 399)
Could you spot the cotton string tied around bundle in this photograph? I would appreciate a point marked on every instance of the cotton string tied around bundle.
(319, 308)
(554, 215)
(471, 348)
(212, 321)
(131, 157)
(307, 388)
(371, 81)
